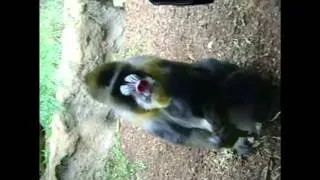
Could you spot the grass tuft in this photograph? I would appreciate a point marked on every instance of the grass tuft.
(118, 167)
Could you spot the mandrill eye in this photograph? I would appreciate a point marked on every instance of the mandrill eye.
(142, 86)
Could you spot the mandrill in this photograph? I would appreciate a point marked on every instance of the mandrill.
(209, 103)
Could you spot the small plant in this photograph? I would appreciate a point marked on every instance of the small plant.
(118, 167)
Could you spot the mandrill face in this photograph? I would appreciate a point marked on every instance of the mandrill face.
(147, 92)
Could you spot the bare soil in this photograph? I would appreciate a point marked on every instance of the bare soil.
(244, 32)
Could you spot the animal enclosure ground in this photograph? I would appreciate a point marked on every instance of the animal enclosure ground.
(245, 32)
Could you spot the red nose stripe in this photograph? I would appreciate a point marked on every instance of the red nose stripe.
(142, 86)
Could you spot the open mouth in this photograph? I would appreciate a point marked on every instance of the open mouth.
(142, 86)
(137, 86)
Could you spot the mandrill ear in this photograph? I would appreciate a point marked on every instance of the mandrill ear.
(98, 81)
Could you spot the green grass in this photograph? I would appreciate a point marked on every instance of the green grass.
(51, 26)
(118, 167)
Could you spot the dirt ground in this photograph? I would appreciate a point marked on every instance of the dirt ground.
(245, 32)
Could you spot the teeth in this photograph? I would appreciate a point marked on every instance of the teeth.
(132, 78)
(125, 90)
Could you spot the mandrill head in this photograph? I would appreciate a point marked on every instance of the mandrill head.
(123, 85)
